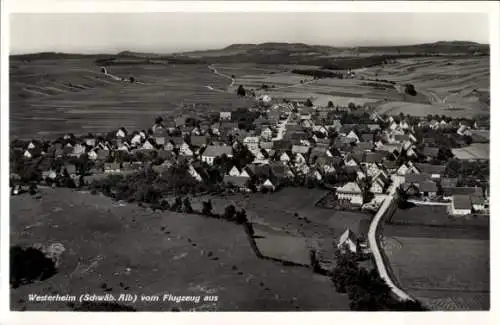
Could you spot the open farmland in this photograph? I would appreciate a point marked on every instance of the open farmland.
(50, 97)
(134, 250)
(438, 269)
(459, 83)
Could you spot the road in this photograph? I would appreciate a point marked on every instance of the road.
(374, 244)
(214, 70)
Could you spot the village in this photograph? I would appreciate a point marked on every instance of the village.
(355, 153)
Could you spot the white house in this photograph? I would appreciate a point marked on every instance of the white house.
(350, 191)
(27, 154)
(192, 171)
(225, 116)
(136, 140)
(348, 241)
(185, 150)
(92, 154)
(284, 157)
(352, 136)
(252, 143)
(121, 133)
(31, 146)
(147, 145)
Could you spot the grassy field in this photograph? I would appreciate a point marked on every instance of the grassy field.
(157, 253)
(56, 96)
(435, 216)
(473, 151)
(435, 269)
(445, 81)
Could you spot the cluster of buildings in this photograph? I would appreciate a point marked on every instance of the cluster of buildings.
(287, 142)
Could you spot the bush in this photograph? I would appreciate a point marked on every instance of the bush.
(28, 265)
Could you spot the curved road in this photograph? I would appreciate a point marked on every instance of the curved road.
(374, 245)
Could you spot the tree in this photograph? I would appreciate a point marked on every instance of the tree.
(308, 103)
(351, 106)
(131, 79)
(410, 90)
(177, 206)
(207, 208)
(241, 216)
(241, 91)
(230, 212)
(330, 104)
(187, 205)
(159, 120)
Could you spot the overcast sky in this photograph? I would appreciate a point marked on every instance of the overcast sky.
(172, 32)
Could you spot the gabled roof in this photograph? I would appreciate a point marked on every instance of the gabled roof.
(430, 151)
(430, 169)
(300, 149)
(351, 187)
(348, 235)
(427, 186)
(417, 178)
(216, 151)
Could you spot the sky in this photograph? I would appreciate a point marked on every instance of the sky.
(176, 32)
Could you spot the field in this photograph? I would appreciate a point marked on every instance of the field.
(436, 216)
(72, 95)
(473, 151)
(54, 96)
(157, 253)
(438, 270)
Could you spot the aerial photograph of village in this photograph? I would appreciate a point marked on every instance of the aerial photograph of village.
(249, 162)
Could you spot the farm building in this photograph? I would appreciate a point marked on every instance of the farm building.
(225, 116)
(212, 152)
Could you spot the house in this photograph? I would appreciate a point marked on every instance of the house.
(300, 149)
(284, 157)
(31, 145)
(348, 241)
(460, 205)
(92, 154)
(147, 145)
(27, 154)
(112, 167)
(464, 130)
(430, 152)
(185, 150)
(350, 191)
(49, 174)
(436, 171)
(136, 140)
(352, 137)
(269, 185)
(251, 142)
(299, 159)
(121, 133)
(428, 189)
(213, 151)
(225, 116)
(479, 204)
(195, 173)
(379, 183)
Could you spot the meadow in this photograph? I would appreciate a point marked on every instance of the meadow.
(128, 249)
(49, 97)
(439, 269)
